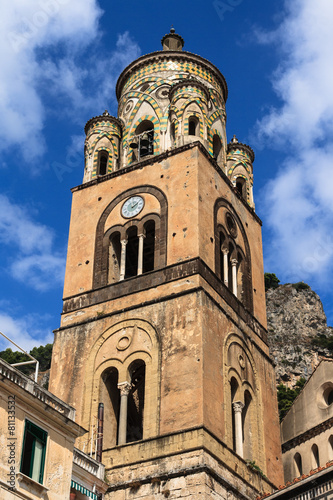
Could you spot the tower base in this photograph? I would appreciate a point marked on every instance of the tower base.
(190, 464)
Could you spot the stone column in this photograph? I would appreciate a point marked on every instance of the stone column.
(237, 407)
(234, 276)
(124, 388)
(225, 266)
(122, 260)
(140, 254)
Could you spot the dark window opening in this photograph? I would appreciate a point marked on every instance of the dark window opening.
(193, 124)
(298, 465)
(33, 454)
(240, 275)
(143, 141)
(230, 257)
(110, 397)
(132, 247)
(241, 186)
(330, 398)
(136, 402)
(173, 133)
(149, 247)
(233, 389)
(217, 146)
(315, 456)
(222, 243)
(103, 163)
(146, 146)
(114, 258)
(246, 424)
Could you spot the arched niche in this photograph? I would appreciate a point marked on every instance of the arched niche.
(227, 221)
(114, 361)
(242, 396)
(102, 241)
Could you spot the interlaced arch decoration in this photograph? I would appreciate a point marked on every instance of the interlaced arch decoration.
(101, 249)
(236, 163)
(240, 367)
(117, 347)
(247, 299)
(154, 105)
(213, 132)
(109, 136)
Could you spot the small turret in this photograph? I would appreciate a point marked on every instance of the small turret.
(172, 41)
(240, 158)
(102, 145)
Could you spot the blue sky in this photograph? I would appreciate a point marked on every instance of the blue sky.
(60, 60)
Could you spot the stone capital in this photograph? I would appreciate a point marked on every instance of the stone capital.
(237, 406)
(125, 388)
(234, 262)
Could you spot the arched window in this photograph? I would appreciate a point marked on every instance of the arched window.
(298, 465)
(103, 158)
(217, 146)
(143, 140)
(149, 247)
(231, 256)
(132, 247)
(114, 258)
(223, 249)
(240, 274)
(241, 186)
(110, 397)
(330, 447)
(233, 392)
(137, 371)
(193, 126)
(173, 133)
(246, 421)
(314, 456)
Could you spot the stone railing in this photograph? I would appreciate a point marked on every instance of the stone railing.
(9, 372)
(323, 491)
(88, 463)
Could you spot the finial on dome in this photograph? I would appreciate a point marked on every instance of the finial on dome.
(234, 140)
(172, 41)
(106, 113)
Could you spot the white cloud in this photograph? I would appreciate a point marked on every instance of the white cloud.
(298, 200)
(27, 332)
(36, 264)
(46, 48)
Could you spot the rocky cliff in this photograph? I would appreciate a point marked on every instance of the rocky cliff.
(295, 319)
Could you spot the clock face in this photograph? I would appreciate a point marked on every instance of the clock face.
(132, 207)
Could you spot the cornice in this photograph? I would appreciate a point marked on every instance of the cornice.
(104, 117)
(172, 54)
(240, 145)
(305, 436)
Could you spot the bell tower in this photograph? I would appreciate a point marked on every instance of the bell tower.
(164, 316)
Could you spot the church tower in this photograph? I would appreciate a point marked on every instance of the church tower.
(164, 304)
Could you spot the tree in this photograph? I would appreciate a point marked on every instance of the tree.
(43, 355)
(271, 281)
(287, 396)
